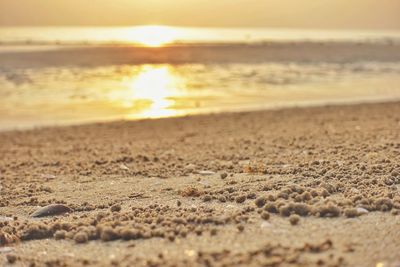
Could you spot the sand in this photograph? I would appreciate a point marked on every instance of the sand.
(293, 187)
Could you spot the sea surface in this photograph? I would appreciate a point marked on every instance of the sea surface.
(59, 76)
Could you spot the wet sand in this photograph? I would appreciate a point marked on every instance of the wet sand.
(278, 52)
(292, 187)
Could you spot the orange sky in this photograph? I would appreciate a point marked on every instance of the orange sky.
(341, 14)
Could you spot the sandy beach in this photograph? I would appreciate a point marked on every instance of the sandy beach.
(199, 133)
(314, 186)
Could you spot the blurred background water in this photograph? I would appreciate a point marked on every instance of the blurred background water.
(57, 76)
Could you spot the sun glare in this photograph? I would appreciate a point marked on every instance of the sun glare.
(153, 36)
(155, 85)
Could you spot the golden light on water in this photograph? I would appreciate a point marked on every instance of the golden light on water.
(153, 36)
(154, 89)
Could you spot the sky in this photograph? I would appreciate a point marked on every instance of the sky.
(316, 14)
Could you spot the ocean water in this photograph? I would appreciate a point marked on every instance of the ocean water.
(58, 76)
(155, 34)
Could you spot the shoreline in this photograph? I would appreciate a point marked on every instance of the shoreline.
(288, 187)
(298, 52)
(214, 112)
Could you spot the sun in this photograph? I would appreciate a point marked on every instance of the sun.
(154, 35)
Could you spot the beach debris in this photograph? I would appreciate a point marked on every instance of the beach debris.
(316, 248)
(190, 167)
(362, 211)
(265, 224)
(253, 167)
(48, 176)
(351, 213)
(123, 167)
(223, 175)
(205, 184)
(354, 191)
(205, 173)
(6, 238)
(5, 219)
(6, 249)
(138, 195)
(191, 192)
(190, 253)
(50, 210)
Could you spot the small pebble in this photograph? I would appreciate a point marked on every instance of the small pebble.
(108, 234)
(265, 215)
(240, 199)
(60, 234)
(81, 238)
(251, 195)
(207, 198)
(116, 208)
(11, 258)
(260, 202)
(294, 219)
(223, 175)
(222, 199)
(49, 210)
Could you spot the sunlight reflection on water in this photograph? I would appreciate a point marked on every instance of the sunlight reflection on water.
(79, 94)
(150, 92)
(158, 85)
